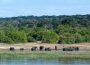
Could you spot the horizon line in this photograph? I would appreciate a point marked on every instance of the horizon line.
(42, 15)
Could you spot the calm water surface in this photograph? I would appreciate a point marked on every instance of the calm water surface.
(12, 61)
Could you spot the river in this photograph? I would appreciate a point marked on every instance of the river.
(39, 61)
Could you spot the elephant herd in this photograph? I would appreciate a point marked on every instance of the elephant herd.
(42, 48)
(35, 48)
(71, 49)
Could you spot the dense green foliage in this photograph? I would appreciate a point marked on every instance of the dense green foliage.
(50, 29)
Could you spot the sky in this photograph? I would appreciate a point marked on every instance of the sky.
(10, 8)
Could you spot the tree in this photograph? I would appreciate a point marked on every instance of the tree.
(50, 36)
(18, 36)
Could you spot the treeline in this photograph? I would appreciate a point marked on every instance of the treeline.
(50, 29)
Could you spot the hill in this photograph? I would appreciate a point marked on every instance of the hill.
(50, 29)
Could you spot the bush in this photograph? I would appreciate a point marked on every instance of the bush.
(18, 36)
(50, 36)
(30, 39)
(67, 38)
(79, 38)
(7, 40)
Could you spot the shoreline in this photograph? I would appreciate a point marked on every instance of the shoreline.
(45, 54)
(6, 53)
(85, 46)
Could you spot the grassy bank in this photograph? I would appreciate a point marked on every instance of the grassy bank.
(44, 54)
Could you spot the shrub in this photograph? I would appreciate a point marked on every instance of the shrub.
(18, 36)
(50, 36)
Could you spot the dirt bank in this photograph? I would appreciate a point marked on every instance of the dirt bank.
(29, 45)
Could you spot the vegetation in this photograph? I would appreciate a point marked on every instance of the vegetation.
(44, 54)
(50, 29)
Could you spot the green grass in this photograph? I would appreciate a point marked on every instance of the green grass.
(44, 54)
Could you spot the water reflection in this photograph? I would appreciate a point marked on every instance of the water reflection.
(40, 61)
(74, 61)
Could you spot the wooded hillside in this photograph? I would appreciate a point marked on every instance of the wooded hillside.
(51, 29)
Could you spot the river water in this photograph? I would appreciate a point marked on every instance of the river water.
(39, 61)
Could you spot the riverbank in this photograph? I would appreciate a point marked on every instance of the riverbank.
(85, 46)
(45, 54)
(6, 53)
